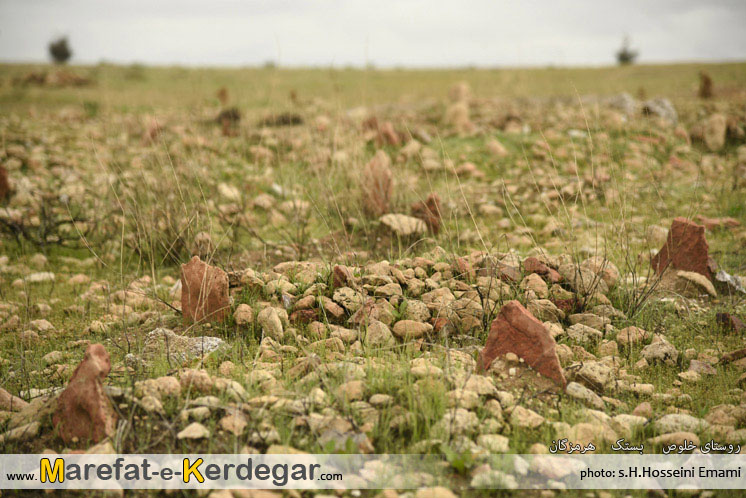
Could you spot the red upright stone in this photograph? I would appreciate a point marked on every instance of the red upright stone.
(303, 316)
(83, 409)
(377, 185)
(515, 330)
(533, 265)
(685, 249)
(204, 292)
(429, 211)
(4, 184)
(342, 276)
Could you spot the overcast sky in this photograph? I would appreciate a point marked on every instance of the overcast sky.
(381, 32)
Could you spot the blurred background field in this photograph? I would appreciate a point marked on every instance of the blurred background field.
(148, 88)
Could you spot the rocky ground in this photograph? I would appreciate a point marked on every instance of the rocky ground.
(464, 274)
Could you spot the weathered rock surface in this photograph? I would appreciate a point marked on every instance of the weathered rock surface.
(270, 322)
(692, 284)
(378, 334)
(524, 417)
(660, 351)
(179, 348)
(583, 279)
(204, 292)
(582, 393)
(404, 226)
(10, 403)
(244, 315)
(195, 430)
(84, 412)
(631, 335)
(685, 249)
(515, 330)
(583, 334)
(409, 329)
(679, 422)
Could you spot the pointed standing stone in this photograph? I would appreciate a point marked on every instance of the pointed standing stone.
(83, 409)
(4, 184)
(685, 249)
(515, 330)
(377, 185)
(204, 292)
(429, 211)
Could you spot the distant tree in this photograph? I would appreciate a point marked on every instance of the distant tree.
(60, 51)
(626, 55)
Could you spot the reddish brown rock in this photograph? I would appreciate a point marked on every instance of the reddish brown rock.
(304, 316)
(4, 184)
(332, 310)
(83, 409)
(569, 306)
(439, 324)
(342, 276)
(507, 273)
(464, 269)
(715, 223)
(365, 313)
(554, 276)
(733, 356)
(730, 322)
(533, 265)
(387, 135)
(372, 310)
(305, 303)
(377, 185)
(204, 292)
(429, 211)
(685, 249)
(515, 330)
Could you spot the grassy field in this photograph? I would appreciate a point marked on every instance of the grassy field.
(117, 182)
(144, 89)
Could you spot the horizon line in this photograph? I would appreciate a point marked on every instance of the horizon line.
(270, 64)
